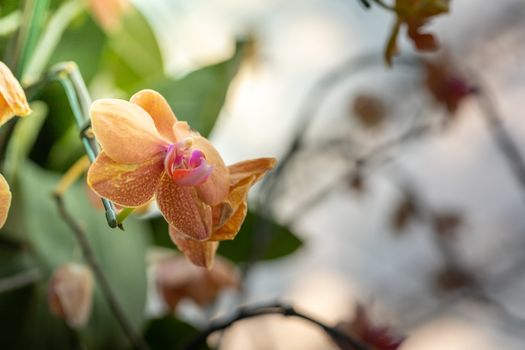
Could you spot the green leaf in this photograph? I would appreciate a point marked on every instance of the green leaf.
(120, 254)
(55, 127)
(82, 43)
(198, 97)
(24, 137)
(132, 54)
(260, 239)
(31, 326)
(170, 333)
(66, 150)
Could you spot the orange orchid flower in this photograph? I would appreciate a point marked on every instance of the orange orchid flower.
(147, 153)
(12, 102)
(12, 97)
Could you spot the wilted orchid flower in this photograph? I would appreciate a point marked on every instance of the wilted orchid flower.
(446, 84)
(147, 152)
(12, 102)
(374, 336)
(415, 14)
(177, 279)
(70, 294)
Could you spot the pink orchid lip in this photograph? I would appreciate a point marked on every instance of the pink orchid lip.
(186, 166)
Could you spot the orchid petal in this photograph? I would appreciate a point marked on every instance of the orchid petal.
(215, 189)
(238, 195)
(182, 130)
(228, 222)
(247, 168)
(5, 200)
(128, 185)
(12, 97)
(229, 230)
(229, 215)
(159, 110)
(125, 131)
(182, 209)
(192, 177)
(199, 253)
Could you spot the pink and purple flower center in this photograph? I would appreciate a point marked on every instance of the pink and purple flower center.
(186, 166)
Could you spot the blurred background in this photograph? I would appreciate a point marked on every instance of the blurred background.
(401, 189)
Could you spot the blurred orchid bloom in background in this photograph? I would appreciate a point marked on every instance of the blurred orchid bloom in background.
(446, 84)
(70, 294)
(377, 337)
(108, 13)
(13, 102)
(147, 152)
(178, 279)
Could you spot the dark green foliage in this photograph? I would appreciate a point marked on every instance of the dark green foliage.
(260, 239)
(169, 333)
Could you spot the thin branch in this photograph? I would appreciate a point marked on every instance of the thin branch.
(20, 280)
(509, 149)
(365, 4)
(306, 115)
(134, 338)
(72, 175)
(384, 5)
(444, 245)
(274, 309)
(361, 161)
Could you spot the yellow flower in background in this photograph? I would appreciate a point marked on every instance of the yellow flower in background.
(147, 153)
(13, 102)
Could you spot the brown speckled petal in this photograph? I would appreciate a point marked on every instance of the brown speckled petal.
(183, 209)
(128, 185)
(199, 253)
(158, 109)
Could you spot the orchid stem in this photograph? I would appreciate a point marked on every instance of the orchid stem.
(20, 280)
(73, 173)
(502, 138)
(134, 338)
(274, 309)
(69, 76)
(122, 215)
